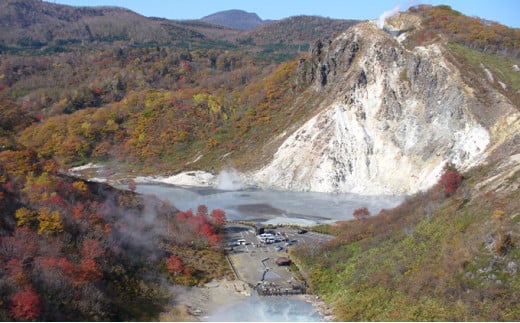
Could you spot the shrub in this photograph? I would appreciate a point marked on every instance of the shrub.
(26, 304)
(450, 180)
(361, 213)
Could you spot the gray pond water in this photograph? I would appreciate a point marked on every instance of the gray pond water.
(271, 207)
(268, 309)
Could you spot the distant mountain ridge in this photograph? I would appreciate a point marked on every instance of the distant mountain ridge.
(299, 29)
(236, 19)
(43, 27)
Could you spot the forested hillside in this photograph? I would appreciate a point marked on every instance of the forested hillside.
(74, 250)
(161, 109)
(473, 32)
(115, 93)
(436, 257)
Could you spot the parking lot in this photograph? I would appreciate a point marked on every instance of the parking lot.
(255, 262)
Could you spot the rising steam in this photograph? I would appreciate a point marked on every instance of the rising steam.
(385, 15)
(229, 179)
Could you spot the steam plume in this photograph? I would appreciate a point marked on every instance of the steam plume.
(385, 15)
(229, 179)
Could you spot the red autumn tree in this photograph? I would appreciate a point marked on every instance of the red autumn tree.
(206, 230)
(78, 211)
(202, 210)
(14, 269)
(214, 239)
(182, 216)
(450, 180)
(87, 271)
(174, 265)
(97, 91)
(51, 263)
(361, 213)
(219, 217)
(91, 249)
(26, 304)
(55, 201)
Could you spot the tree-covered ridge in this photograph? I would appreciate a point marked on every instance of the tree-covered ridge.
(473, 32)
(486, 52)
(79, 251)
(148, 105)
(296, 30)
(43, 28)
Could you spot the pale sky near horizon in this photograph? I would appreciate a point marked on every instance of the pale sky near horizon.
(506, 12)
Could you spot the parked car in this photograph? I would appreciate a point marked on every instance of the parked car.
(290, 242)
(278, 248)
(302, 231)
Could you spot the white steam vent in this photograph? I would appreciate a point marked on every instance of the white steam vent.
(228, 179)
(380, 22)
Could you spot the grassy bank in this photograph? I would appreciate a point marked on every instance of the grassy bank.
(430, 259)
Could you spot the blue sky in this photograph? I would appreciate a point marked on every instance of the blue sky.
(506, 12)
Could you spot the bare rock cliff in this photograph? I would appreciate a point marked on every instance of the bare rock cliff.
(390, 119)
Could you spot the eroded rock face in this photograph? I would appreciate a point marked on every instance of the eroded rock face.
(396, 117)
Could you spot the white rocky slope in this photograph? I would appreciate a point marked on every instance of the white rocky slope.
(396, 117)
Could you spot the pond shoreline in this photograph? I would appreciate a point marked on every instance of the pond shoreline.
(199, 304)
(250, 261)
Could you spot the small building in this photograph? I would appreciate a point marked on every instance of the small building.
(259, 228)
(283, 261)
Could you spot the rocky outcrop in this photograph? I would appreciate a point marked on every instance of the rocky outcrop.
(396, 117)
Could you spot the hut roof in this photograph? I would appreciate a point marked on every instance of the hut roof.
(282, 261)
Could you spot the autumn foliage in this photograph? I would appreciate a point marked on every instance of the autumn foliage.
(450, 180)
(60, 237)
(219, 217)
(26, 304)
(473, 32)
(174, 265)
(361, 213)
(207, 229)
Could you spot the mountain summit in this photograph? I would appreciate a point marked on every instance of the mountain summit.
(236, 19)
(392, 116)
